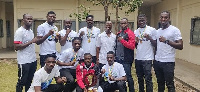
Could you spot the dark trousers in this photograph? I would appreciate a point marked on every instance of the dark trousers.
(42, 59)
(54, 88)
(111, 87)
(143, 71)
(127, 68)
(79, 89)
(70, 74)
(25, 75)
(165, 74)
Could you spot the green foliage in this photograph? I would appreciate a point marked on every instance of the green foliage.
(84, 11)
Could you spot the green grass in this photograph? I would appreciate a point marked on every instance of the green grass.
(8, 76)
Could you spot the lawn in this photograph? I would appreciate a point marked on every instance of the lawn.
(8, 76)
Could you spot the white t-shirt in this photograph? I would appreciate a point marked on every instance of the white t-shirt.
(89, 46)
(49, 45)
(68, 55)
(26, 55)
(117, 71)
(70, 37)
(106, 44)
(144, 49)
(166, 53)
(43, 79)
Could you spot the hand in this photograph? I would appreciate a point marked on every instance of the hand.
(84, 89)
(72, 63)
(34, 40)
(68, 30)
(147, 36)
(64, 79)
(137, 39)
(162, 39)
(111, 78)
(103, 71)
(58, 37)
(119, 39)
(51, 32)
(82, 33)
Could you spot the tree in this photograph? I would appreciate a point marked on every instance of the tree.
(131, 5)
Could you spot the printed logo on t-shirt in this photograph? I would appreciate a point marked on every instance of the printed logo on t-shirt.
(69, 39)
(44, 85)
(51, 38)
(88, 36)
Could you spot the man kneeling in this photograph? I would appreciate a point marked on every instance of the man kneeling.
(84, 69)
(43, 77)
(114, 75)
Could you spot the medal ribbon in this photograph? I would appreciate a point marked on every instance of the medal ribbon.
(141, 35)
(75, 55)
(89, 34)
(110, 69)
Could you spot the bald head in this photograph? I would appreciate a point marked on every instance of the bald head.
(108, 26)
(67, 23)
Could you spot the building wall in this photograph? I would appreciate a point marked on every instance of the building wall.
(39, 8)
(6, 14)
(181, 13)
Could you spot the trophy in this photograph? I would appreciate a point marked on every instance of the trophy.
(90, 80)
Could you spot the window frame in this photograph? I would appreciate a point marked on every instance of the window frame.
(192, 32)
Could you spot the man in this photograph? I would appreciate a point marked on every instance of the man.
(146, 39)
(168, 39)
(46, 37)
(105, 43)
(67, 35)
(114, 75)
(68, 61)
(87, 67)
(24, 43)
(43, 77)
(89, 35)
(125, 45)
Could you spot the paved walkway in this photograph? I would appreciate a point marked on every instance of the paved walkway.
(186, 72)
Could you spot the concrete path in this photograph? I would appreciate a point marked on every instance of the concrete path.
(186, 72)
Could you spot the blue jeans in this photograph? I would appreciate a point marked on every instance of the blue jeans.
(127, 68)
(164, 74)
(143, 71)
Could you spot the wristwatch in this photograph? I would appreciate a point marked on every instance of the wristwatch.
(166, 41)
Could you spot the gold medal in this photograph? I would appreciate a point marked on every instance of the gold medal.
(89, 41)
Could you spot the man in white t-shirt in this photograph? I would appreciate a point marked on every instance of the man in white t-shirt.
(145, 40)
(24, 43)
(68, 61)
(89, 35)
(105, 43)
(113, 74)
(67, 35)
(47, 37)
(168, 39)
(43, 77)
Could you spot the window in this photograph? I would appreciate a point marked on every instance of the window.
(195, 31)
(8, 28)
(1, 28)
